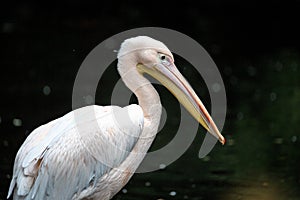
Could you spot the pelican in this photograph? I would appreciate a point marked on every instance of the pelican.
(63, 158)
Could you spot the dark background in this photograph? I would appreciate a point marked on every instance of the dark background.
(254, 44)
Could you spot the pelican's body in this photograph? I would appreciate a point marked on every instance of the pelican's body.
(92, 152)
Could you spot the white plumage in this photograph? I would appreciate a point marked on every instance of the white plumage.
(54, 161)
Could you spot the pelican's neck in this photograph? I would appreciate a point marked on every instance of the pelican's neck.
(146, 94)
(149, 101)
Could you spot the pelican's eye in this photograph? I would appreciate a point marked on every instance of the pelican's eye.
(165, 59)
(162, 57)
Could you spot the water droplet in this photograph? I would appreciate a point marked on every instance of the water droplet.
(147, 184)
(46, 90)
(273, 96)
(124, 191)
(294, 138)
(240, 116)
(162, 166)
(8, 176)
(172, 193)
(216, 87)
(0, 119)
(73, 50)
(185, 197)
(193, 185)
(17, 122)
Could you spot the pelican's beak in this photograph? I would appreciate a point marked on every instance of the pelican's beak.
(171, 78)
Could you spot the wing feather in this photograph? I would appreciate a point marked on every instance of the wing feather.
(68, 155)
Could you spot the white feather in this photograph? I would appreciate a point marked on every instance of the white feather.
(57, 162)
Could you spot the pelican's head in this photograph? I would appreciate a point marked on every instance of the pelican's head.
(154, 58)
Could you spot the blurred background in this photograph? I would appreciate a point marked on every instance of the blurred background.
(255, 45)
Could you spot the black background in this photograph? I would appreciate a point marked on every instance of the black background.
(45, 43)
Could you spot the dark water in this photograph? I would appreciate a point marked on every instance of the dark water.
(261, 159)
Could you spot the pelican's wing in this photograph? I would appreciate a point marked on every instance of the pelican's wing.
(66, 156)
